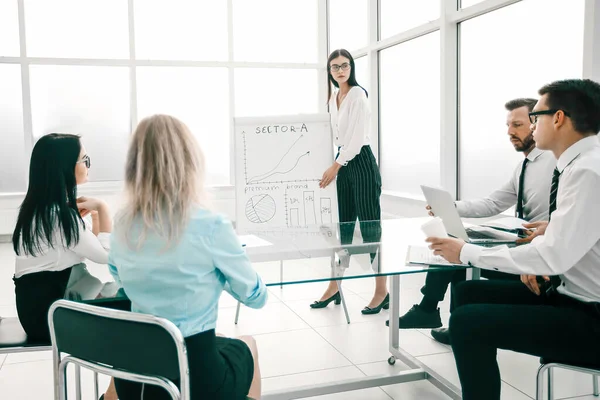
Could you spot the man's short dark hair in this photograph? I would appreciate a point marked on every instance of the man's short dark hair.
(518, 103)
(580, 98)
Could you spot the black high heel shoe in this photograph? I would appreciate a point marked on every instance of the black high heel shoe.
(385, 304)
(336, 298)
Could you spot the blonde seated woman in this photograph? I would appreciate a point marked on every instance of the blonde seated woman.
(174, 257)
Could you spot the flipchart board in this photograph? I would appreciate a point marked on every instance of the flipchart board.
(279, 161)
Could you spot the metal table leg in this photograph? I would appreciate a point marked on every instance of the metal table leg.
(399, 354)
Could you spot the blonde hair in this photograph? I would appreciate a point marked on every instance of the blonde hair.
(164, 179)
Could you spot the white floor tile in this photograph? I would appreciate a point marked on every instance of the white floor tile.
(27, 381)
(364, 394)
(17, 358)
(368, 342)
(324, 376)
(359, 285)
(34, 380)
(520, 370)
(310, 378)
(2, 358)
(444, 365)
(274, 317)
(272, 272)
(294, 352)
(305, 291)
(406, 391)
(334, 314)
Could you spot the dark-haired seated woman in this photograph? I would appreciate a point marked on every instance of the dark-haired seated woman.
(51, 236)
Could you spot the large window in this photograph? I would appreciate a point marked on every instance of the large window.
(9, 29)
(92, 73)
(12, 149)
(275, 30)
(362, 72)
(270, 91)
(181, 30)
(410, 114)
(499, 64)
(89, 101)
(348, 24)
(401, 15)
(77, 29)
(168, 90)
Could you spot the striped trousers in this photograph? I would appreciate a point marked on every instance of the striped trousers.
(358, 191)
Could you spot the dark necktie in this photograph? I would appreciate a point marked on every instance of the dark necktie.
(554, 280)
(553, 193)
(519, 210)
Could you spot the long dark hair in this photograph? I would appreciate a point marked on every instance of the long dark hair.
(51, 199)
(351, 80)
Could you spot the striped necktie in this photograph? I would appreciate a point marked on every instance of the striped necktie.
(553, 193)
(519, 210)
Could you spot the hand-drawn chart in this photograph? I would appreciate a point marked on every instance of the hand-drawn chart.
(286, 165)
(279, 163)
(260, 208)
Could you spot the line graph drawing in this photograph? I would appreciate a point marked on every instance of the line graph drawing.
(260, 208)
(277, 169)
(271, 173)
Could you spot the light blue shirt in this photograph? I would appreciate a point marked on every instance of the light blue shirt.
(183, 283)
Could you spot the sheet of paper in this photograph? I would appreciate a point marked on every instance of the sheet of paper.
(253, 241)
(423, 255)
(506, 223)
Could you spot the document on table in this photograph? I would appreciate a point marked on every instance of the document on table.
(421, 255)
(508, 223)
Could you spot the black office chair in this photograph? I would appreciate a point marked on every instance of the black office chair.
(131, 346)
(549, 365)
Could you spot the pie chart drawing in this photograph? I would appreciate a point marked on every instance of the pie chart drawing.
(260, 208)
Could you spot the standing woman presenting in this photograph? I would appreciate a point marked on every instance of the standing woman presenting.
(358, 178)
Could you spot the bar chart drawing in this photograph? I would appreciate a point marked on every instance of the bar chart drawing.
(326, 212)
(310, 214)
(294, 218)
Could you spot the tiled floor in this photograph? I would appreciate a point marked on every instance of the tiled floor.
(299, 345)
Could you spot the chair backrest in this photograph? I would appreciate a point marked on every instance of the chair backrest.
(137, 343)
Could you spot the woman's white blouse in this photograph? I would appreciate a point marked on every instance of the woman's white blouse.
(90, 247)
(350, 124)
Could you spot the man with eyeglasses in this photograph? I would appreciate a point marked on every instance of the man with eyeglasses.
(563, 323)
(528, 189)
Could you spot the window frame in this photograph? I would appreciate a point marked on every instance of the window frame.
(132, 63)
(451, 15)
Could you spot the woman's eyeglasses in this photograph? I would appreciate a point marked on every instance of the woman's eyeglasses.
(343, 67)
(533, 116)
(86, 160)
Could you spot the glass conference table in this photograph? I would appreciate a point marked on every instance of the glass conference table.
(383, 255)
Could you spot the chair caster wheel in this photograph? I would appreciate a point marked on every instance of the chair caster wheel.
(392, 360)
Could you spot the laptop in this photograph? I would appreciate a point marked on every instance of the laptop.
(442, 204)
